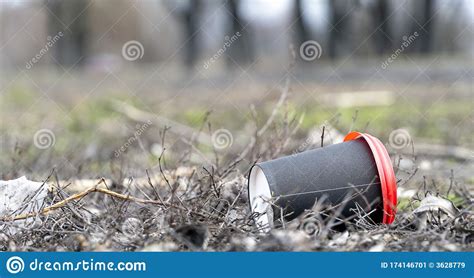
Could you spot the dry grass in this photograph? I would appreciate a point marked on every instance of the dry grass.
(207, 209)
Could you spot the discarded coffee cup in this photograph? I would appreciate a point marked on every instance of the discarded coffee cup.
(351, 176)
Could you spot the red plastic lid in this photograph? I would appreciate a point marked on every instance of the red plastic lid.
(386, 174)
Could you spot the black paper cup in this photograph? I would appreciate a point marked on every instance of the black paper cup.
(356, 174)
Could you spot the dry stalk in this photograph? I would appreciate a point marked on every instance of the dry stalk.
(97, 189)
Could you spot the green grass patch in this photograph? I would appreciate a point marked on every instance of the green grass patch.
(427, 121)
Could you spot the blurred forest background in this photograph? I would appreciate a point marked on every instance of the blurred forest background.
(380, 66)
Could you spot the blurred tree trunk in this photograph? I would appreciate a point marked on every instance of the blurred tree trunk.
(339, 20)
(70, 18)
(427, 35)
(241, 51)
(190, 19)
(381, 37)
(301, 32)
(423, 13)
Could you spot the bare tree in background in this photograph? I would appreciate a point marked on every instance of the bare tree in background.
(338, 33)
(240, 51)
(190, 20)
(188, 14)
(70, 18)
(381, 37)
(300, 30)
(427, 19)
(423, 16)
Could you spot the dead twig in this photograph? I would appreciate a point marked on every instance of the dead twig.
(97, 189)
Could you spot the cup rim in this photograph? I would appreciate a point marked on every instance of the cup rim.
(386, 174)
(259, 193)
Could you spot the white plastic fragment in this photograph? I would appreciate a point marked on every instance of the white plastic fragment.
(21, 196)
(436, 204)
